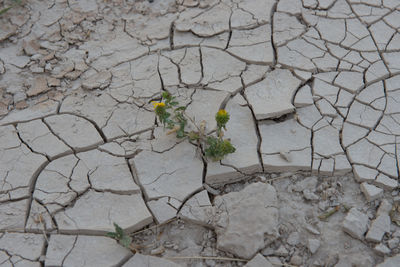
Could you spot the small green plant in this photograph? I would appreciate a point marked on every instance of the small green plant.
(15, 3)
(174, 118)
(120, 236)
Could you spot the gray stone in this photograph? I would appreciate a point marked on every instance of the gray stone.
(381, 249)
(358, 258)
(313, 245)
(378, 228)
(198, 209)
(39, 87)
(371, 192)
(70, 250)
(393, 243)
(309, 183)
(355, 223)
(308, 195)
(246, 218)
(364, 174)
(145, 260)
(258, 261)
(293, 239)
(281, 251)
(386, 182)
(296, 260)
(384, 208)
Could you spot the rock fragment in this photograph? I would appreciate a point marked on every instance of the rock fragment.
(371, 192)
(293, 239)
(386, 182)
(198, 209)
(246, 217)
(38, 87)
(313, 245)
(259, 261)
(379, 227)
(393, 243)
(145, 260)
(355, 223)
(381, 249)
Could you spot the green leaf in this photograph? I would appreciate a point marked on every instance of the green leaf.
(112, 235)
(165, 95)
(180, 133)
(180, 108)
(174, 103)
(4, 10)
(119, 230)
(126, 241)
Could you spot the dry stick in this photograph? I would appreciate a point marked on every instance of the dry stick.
(280, 177)
(201, 133)
(220, 258)
(204, 258)
(44, 227)
(329, 213)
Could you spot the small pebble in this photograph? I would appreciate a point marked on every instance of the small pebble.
(313, 245)
(312, 230)
(296, 260)
(393, 243)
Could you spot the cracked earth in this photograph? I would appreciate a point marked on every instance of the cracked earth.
(313, 90)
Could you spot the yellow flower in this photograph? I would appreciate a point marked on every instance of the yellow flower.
(222, 117)
(158, 104)
(222, 112)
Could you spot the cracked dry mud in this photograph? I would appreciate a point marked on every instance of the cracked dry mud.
(313, 89)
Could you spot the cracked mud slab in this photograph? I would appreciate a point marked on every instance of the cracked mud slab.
(311, 85)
